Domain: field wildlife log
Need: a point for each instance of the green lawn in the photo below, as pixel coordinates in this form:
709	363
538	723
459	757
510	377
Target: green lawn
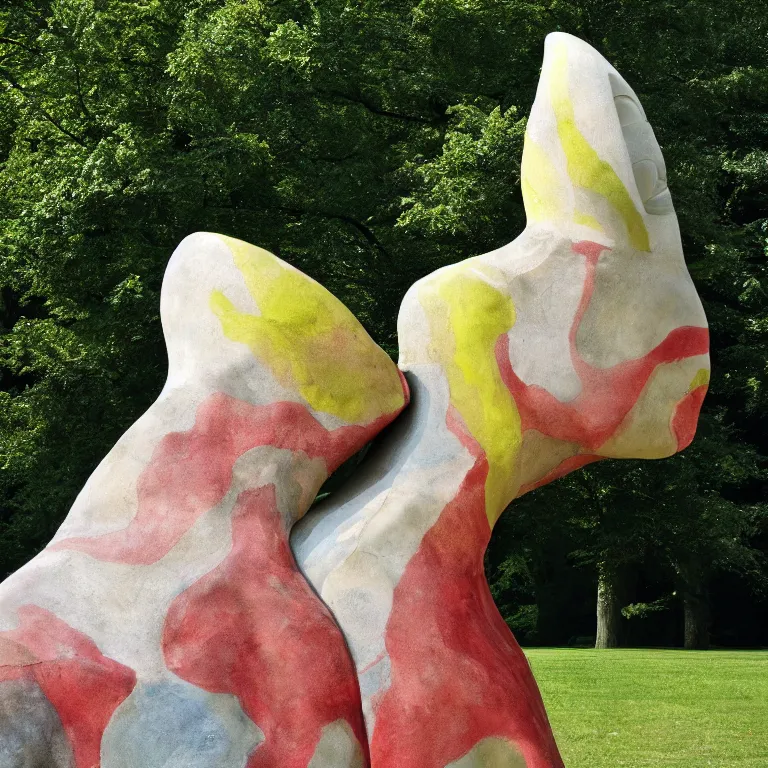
667	709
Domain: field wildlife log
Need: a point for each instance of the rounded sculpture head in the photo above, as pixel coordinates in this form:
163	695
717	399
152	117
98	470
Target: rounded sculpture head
242	320
584	338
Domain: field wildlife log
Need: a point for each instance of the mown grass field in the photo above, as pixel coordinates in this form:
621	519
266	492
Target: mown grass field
660	708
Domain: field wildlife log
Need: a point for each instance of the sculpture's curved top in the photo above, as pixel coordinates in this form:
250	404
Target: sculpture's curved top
586	331
591	158
293	339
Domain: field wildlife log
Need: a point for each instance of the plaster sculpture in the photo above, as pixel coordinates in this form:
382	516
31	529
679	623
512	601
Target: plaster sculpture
166	624
582	339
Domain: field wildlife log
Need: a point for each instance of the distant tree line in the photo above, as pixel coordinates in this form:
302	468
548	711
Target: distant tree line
369	143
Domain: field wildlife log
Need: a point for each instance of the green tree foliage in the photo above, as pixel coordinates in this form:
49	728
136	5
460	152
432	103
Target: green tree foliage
367	143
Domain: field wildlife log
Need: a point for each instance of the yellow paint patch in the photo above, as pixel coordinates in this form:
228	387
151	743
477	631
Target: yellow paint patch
542	189
467	315
585	167
311	342
701	379
587	221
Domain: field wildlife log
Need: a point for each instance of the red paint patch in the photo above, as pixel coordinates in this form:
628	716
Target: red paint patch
686	417
406	389
458	426
84	686
608	394
458	676
254	628
190	472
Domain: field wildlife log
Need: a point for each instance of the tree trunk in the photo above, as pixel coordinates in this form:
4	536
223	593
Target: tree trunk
608	608
695	607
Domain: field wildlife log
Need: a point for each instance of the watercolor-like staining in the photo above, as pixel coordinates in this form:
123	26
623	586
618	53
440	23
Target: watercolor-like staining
169	623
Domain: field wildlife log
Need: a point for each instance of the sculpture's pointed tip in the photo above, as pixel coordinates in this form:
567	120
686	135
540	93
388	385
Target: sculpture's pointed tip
586	111
554	39
583	52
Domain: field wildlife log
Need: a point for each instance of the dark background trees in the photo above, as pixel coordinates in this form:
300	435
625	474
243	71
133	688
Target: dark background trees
369	143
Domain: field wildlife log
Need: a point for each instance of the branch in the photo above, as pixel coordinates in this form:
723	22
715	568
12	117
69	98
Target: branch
9	41
383	112
47	115
373	241
80	93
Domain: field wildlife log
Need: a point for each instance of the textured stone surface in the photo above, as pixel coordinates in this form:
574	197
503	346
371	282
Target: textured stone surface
582	339
166	625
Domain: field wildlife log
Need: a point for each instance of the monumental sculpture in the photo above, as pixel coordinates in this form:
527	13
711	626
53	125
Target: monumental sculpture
168	624
582	339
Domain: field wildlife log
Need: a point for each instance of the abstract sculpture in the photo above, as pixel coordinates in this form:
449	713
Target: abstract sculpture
582	339
167	623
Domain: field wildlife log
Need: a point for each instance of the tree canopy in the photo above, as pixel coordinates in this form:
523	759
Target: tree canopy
369	143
